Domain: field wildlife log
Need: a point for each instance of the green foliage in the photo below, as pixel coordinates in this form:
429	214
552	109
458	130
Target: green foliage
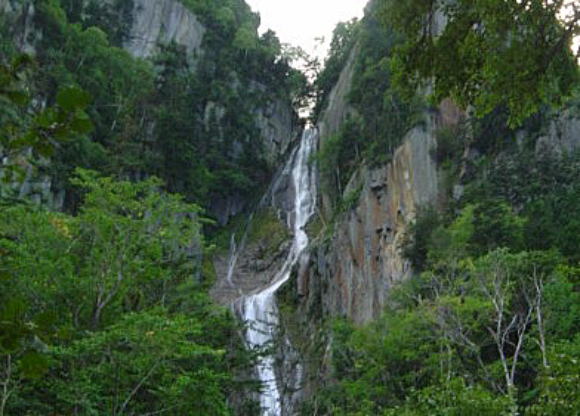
114	17
451	243
563	304
450	145
111	306
543	188
416	243
453	398
496	225
560	392
385	117
339	156
350	199
147	362
211	145
488	53
478	229
40	130
82	55
377	364
435	349
194	126
476	332
380	119
480	326
245	39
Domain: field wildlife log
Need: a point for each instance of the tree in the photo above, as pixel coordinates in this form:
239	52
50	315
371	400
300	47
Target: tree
453	398
27	133
343	40
132	251
128	235
500	303
148	362
560	383
245	39
514	53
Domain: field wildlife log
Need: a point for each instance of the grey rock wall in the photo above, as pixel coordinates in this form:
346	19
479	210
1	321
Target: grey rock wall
335	113
278	129
338	107
158	22
19	16
352	270
276	122
562	135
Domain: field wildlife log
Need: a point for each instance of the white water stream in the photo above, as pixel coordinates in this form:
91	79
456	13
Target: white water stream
259	310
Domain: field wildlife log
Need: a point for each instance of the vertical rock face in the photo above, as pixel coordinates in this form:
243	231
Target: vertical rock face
152	24
276	122
336	111
19	16
277	126
350	274
562	135
352	270
338	107
158	22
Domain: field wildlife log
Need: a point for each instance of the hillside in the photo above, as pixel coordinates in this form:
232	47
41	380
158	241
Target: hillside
175	240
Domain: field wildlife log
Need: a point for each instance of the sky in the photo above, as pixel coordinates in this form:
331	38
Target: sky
300	22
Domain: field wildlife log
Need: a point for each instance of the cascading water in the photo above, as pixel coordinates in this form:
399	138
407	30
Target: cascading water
259	310
233	259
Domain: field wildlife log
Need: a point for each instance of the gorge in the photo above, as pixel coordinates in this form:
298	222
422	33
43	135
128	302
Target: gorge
175	239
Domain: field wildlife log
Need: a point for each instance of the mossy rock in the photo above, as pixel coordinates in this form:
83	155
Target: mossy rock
314	227
222	237
208	270
268	232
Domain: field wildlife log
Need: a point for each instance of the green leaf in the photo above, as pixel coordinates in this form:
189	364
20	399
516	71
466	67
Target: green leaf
13	309
45	320
21	62
4	275
11	336
81	124
44	148
33	365
46	119
72	98
17	97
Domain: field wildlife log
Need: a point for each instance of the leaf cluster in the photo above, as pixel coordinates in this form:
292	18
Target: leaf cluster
485	54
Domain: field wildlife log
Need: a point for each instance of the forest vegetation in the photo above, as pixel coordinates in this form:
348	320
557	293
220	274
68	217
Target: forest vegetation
489	322
104	304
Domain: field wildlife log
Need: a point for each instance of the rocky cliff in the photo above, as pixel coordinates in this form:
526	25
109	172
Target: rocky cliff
352	269
161	22
152	23
351	263
147	29
355	260
562	134
19	20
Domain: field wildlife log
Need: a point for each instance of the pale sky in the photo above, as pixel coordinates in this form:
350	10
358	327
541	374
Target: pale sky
299	22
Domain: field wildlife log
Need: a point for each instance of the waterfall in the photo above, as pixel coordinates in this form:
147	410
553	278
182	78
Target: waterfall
233	259
259	310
